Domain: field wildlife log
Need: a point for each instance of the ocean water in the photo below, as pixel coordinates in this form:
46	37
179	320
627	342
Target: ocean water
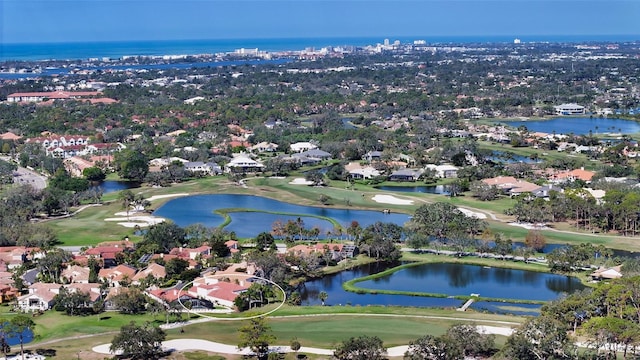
117	49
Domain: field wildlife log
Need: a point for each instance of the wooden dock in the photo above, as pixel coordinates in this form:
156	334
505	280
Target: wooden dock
468	303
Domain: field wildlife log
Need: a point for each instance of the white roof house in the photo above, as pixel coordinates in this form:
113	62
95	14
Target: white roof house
243	163
302	146
569	109
444	171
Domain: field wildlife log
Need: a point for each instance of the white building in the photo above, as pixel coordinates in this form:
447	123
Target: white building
443	171
302	146
569	109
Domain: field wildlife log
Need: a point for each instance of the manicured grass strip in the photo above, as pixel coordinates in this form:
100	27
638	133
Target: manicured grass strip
352	287
225	212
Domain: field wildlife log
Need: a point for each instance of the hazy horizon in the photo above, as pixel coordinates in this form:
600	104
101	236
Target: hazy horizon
71	21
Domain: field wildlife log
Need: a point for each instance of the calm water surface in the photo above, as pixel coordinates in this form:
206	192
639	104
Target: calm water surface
110	186
450	279
579	125
200	209
458	279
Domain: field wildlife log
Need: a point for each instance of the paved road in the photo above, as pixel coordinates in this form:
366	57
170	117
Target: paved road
25	176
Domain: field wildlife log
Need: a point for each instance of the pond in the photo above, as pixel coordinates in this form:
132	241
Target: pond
200	209
579	125
449	279
425	189
14	340
109	186
510	158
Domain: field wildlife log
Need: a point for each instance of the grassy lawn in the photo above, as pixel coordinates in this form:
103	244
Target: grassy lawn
325	331
315	326
88	227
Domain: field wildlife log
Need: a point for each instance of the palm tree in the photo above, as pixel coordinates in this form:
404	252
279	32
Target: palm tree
126	197
323	296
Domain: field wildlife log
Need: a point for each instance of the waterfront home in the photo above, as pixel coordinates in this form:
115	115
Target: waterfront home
406	175
199	167
569	109
242	163
366	172
607	273
335	251
444	171
511	186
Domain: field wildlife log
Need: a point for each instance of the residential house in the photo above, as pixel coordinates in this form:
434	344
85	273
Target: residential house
218	291
444	171
264	147
511	185
9	136
153	270
302	146
106	254
544	191
117	275
39	298
337	251
76	274
576	174
406	175
233	246
243	164
201	252
373	156
569	109
41	295
607	273
209	168
14	256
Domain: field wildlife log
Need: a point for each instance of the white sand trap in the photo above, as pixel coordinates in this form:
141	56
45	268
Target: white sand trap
530	226
390	199
141	221
300	181
156	197
496	330
469	213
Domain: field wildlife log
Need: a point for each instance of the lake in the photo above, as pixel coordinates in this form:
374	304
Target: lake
200	209
579	125
109	186
444	278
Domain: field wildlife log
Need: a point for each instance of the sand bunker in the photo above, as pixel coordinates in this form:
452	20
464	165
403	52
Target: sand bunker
530	226
390	199
137	220
156	197
300	181
469	213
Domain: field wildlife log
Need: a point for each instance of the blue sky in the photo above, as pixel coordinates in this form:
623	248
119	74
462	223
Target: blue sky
35	21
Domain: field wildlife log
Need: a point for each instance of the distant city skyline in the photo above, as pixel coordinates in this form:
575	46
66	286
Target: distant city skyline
46	21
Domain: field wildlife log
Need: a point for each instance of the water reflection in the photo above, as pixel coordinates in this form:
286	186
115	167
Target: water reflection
200	209
441	278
